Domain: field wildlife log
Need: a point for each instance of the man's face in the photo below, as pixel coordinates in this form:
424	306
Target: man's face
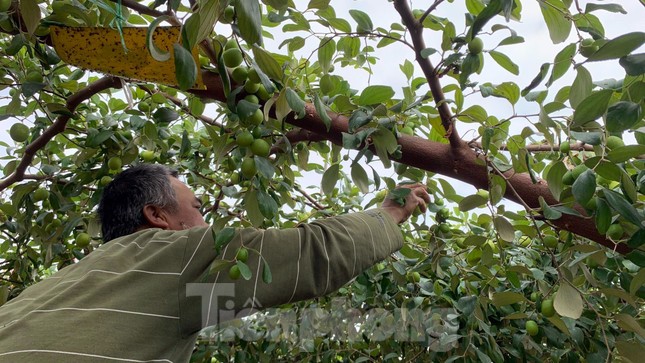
188	213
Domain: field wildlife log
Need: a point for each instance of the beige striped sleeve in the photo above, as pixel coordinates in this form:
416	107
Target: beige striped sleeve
307	261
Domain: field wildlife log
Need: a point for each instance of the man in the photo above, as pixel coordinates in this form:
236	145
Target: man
144	295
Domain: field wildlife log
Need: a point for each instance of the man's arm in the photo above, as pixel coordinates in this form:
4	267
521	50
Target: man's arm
311	260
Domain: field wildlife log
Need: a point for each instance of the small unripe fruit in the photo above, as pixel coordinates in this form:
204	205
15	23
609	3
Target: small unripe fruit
239	74
565	147
413	276
115	163
248	168
19	132
551	241
547	308
261	148
228	16
262	93
615	232
40	195
254	76
147	155
244	138
475	46
256	118
614	142
531	328
82	240
250	86
578	170
567	178
230	44
234	272
105	180
232	57
252	99
242	254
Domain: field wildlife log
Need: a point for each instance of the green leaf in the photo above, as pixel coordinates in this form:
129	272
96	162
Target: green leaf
200	24
265	167
507	298
321	110
614	8
267	63
562	63
544	69
363	20
30	13
554	179
185	67
295	102
637	239
268	205
568	302
624	208
471	202
504	228
340	24
628	323
249	21
622	116
592	107
359	177
375	94
155	52
557	19
505	62
618	47
581	87
493	8
245	271
591	138
584	187
252	208
547	211
219	265
326	51
634	64
603	216
624	153
637	257
329	179
165	115
267	278
223	237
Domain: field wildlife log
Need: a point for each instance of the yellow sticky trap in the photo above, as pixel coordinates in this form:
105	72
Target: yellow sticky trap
100	49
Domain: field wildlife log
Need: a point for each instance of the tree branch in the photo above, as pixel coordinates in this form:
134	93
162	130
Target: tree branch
416	33
57	127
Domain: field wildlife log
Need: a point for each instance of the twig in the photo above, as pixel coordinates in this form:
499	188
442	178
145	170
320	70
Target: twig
430	9
309	198
429	71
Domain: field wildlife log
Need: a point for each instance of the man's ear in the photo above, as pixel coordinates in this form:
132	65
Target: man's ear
155	216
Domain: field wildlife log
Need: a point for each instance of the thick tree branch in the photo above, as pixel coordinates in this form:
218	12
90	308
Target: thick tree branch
462	164
416	33
57	127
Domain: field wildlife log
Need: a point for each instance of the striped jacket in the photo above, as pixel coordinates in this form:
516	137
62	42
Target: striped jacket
145	297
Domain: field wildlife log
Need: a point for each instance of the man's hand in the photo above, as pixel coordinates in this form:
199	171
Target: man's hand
418	197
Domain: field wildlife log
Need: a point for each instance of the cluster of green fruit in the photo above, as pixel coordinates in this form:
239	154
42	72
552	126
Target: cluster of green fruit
256	146
615	231
546	309
241	74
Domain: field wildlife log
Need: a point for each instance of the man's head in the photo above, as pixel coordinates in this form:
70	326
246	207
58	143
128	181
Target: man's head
147	196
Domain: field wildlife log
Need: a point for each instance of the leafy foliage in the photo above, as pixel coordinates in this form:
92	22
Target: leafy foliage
473	271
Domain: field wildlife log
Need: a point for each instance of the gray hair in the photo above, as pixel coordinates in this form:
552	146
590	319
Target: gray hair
123	199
